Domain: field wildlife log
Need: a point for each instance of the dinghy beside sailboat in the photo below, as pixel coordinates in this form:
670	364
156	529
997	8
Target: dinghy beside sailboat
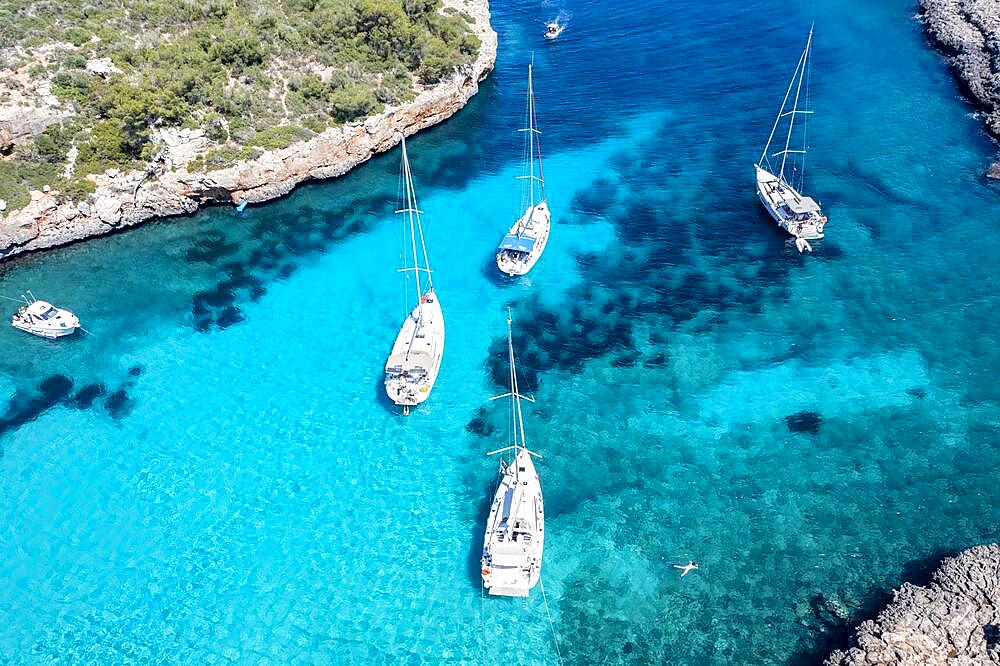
515	528
413	364
780	192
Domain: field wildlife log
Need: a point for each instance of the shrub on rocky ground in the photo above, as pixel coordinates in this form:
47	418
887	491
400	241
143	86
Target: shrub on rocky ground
213	64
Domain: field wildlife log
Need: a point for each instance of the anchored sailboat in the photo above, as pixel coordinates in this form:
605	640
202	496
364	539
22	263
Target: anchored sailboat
515	529
799	215
415	359
524	243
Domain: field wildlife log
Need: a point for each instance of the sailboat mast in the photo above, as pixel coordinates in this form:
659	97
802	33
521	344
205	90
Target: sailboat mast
411	210
536	134
515	395
801	71
412	195
781	114
531	138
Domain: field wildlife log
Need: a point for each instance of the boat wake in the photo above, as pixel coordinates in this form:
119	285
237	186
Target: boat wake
555	26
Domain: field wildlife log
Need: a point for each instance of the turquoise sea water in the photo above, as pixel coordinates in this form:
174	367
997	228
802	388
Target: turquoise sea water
214	476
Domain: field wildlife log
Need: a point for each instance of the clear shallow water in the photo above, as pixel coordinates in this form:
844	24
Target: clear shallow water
214	477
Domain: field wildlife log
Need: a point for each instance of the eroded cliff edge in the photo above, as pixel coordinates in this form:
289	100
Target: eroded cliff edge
955	620
968	31
167	188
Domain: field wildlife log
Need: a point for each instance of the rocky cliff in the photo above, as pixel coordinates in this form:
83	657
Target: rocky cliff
968	31
167	188
955	620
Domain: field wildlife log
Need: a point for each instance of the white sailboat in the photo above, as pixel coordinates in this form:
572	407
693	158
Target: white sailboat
43	319
799	215
515	529
524	243
413	364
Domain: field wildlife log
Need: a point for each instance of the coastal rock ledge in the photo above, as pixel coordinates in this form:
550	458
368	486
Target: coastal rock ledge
968	31
166	188
955	620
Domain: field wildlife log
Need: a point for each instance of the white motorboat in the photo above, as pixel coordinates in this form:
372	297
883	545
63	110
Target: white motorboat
524	243
553	29
515	528
413	364
779	188
43	319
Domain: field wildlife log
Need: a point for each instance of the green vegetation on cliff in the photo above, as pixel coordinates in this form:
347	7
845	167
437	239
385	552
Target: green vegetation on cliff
254	75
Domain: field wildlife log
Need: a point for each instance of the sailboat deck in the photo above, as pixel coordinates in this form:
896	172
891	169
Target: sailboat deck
797	214
512	551
415	359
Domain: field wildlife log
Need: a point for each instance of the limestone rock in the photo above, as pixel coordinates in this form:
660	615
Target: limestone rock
954	621
6	139
102	67
108	209
968	31
23	124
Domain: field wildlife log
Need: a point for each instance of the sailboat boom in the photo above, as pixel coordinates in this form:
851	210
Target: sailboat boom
508	448
507	395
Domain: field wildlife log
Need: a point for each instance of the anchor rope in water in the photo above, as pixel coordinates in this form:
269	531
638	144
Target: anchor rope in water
552	626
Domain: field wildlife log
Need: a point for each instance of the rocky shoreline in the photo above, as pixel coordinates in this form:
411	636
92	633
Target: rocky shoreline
955	620
968	31
166	188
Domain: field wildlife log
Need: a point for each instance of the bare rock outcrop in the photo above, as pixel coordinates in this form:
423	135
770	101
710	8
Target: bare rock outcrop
954	621
165	189
968	31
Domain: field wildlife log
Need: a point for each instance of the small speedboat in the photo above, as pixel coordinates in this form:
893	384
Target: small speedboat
553	29
45	320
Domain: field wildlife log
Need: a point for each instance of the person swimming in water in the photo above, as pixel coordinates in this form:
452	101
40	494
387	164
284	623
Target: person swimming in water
686	568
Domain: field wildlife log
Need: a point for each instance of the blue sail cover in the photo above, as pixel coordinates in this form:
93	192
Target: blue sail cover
517	243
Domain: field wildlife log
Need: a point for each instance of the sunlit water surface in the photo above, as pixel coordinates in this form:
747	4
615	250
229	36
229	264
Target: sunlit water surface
213	476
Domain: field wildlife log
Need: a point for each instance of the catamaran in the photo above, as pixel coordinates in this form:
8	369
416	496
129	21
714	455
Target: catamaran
43	319
415	359
515	529
799	215
524	243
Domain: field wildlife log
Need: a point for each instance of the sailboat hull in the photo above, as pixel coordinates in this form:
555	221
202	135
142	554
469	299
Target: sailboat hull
515	531
534	228
798	215
413	364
